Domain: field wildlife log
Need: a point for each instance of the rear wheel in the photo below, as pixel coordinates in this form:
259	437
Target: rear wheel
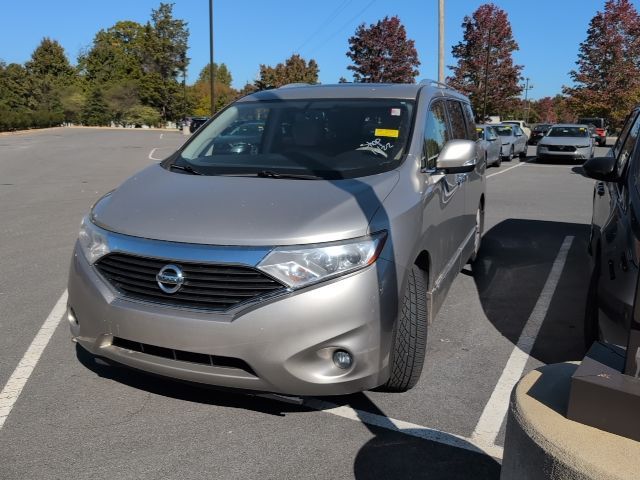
509	157
409	335
523	153
498	162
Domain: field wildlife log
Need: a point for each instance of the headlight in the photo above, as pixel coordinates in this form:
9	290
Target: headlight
93	241
300	266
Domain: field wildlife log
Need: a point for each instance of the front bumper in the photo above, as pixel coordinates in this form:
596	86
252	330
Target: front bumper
287	341
579	154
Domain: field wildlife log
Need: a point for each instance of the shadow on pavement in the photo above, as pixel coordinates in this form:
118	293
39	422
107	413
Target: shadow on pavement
513	266
397	455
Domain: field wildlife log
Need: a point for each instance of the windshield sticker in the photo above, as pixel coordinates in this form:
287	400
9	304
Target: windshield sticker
395	112
583	129
478	130
386	132
377	143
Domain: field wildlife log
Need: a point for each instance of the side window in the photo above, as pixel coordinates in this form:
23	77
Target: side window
468	115
435	133
456	117
626	150
623	133
491	134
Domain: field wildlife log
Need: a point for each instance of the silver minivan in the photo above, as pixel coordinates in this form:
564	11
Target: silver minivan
304	253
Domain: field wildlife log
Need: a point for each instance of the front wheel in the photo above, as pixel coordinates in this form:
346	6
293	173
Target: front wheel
409	335
498	162
591	322
509	157
477	235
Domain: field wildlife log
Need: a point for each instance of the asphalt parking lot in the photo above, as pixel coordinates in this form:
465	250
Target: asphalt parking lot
519	307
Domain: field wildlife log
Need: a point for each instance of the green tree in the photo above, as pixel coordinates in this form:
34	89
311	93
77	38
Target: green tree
294	70
141	115
95	111
164	60
221	74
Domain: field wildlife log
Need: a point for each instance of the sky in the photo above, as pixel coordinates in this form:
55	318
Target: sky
248	33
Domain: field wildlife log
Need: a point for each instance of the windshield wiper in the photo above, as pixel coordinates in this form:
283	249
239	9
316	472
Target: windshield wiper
295	176
186	168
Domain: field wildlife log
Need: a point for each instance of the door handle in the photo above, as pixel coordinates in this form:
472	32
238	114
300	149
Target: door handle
600	189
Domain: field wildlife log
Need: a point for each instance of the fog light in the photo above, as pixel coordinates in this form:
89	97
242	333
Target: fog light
342	359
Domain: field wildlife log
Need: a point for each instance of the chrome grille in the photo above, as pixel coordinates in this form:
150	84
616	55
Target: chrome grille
206	286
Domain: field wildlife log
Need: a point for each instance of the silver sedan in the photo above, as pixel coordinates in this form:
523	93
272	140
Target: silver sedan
514	141
489	145
567	141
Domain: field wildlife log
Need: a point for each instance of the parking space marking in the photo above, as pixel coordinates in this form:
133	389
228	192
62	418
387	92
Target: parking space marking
151	157
496	408
18	379
505	170
406	428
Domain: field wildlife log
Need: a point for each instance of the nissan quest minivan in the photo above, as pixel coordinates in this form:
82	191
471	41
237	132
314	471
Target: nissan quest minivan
299	243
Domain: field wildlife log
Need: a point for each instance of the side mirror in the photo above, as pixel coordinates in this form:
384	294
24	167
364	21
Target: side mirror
601	168
457	156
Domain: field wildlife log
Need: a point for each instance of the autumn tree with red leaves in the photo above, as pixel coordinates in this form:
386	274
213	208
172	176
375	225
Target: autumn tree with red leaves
607	80
485	53
382	53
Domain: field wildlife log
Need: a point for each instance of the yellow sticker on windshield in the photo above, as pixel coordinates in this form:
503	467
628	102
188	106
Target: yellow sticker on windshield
583	129
478	130
385	132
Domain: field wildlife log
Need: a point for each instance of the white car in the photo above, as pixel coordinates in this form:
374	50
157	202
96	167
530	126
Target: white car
523	126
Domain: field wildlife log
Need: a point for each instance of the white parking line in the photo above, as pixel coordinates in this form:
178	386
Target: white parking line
412	429
151	157
18	379
505	170
496	408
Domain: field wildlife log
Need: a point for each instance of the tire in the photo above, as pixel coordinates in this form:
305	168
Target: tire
409	336
591	322
498	162
477	236
523	153
509	157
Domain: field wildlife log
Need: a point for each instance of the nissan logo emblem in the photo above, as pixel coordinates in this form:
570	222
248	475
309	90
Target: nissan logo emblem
170	278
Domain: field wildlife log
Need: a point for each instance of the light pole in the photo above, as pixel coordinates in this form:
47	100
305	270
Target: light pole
526	87
441	41
211	79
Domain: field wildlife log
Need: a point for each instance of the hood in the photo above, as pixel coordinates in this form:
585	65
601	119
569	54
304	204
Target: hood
252	211
575	141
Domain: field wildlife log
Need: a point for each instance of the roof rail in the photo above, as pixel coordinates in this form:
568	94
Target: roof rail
435	83
293	85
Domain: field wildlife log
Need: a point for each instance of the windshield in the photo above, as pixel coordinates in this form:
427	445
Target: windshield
541	128
504	131
598	122
328	139
568	132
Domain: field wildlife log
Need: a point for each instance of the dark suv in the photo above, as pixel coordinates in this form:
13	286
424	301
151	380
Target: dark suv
615	237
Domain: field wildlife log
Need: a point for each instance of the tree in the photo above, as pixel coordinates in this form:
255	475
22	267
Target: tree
382	53
485	66
95	111
49	60
221	73
607	80
116	54
294	70
545	110
164	59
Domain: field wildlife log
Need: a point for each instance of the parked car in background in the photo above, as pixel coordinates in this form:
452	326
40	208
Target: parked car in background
240	137
521	123
600	127
196	123
489	144
538	132
614	239
310	263
513	141
566	141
